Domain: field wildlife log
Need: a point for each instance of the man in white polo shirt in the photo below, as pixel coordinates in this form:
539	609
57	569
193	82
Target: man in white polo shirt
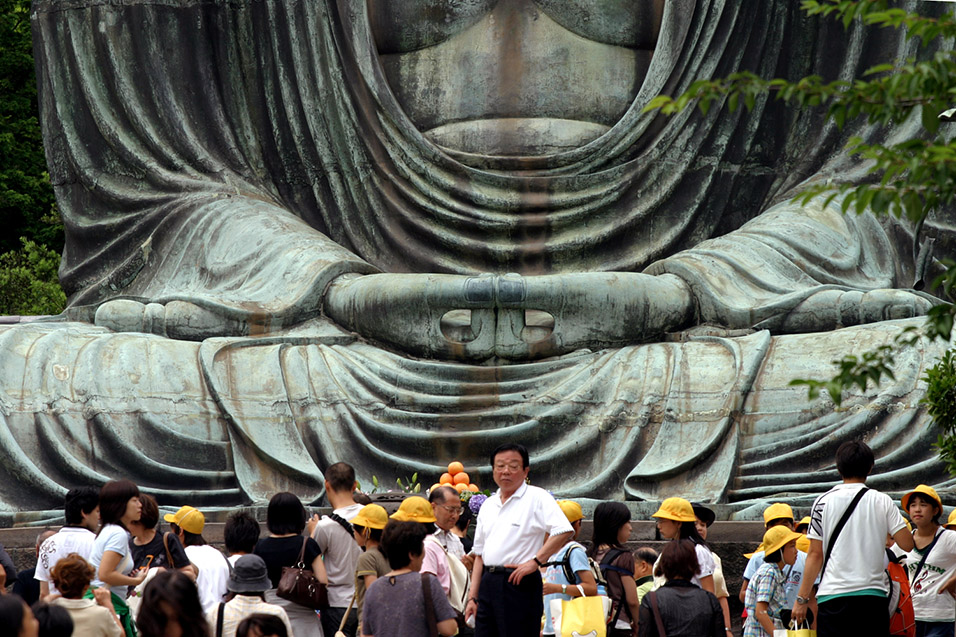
852	596
81	509
506	596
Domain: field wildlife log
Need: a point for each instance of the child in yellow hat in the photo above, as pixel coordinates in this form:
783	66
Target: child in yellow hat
766	596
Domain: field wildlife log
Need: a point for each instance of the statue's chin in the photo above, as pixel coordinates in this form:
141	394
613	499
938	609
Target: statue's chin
515	136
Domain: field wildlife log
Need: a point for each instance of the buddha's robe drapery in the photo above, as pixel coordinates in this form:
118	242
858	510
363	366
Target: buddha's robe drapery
241	154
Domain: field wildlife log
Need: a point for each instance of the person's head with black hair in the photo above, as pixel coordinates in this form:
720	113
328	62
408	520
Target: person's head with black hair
644	559
119	503
403	543
285	514
464	519
53	621
80	507
171	601
854	460
512	446
612	526
261	625
149	515
241	533
678	561
16	618
340	477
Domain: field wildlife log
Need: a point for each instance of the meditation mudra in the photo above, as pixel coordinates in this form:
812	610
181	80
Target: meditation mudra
400	232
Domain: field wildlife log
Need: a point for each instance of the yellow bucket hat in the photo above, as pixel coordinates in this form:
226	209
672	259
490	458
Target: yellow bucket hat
804	522
951	522
371	516
572	510
676	509
189	519
414	509
778	537
923	490
777	511
803	543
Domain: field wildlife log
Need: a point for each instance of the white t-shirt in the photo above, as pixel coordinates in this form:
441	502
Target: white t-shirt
341	553
112	537
857	560
705	560
69	539
940	565
213	574
793	574
511	533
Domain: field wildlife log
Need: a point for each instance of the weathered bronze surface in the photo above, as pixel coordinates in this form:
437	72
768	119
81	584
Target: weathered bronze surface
400	233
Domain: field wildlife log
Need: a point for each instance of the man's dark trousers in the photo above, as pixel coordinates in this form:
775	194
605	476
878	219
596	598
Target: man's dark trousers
855	615
506	610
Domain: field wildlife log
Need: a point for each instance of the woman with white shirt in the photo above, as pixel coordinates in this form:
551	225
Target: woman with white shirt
676	521
931	563
111	558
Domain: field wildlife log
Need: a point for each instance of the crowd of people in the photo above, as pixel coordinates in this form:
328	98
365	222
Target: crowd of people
110	571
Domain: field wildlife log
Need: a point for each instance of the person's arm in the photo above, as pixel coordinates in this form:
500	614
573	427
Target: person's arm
630	595
810	571
904	539
472	606
44	590
318	569
725	614
763	617
108	574
369	578
742	595
707	583
549	548
103	598
587	583
448	627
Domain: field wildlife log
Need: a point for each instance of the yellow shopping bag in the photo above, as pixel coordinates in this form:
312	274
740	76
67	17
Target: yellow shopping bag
796	631
584	617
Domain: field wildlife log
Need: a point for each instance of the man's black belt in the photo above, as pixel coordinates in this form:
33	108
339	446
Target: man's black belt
499	569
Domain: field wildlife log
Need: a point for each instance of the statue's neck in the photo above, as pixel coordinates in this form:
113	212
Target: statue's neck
526	78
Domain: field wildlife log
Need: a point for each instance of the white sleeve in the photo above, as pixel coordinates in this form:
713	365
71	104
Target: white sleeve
706	561
553	517
894	521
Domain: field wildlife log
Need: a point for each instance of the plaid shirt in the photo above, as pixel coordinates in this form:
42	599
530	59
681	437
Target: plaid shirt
766	586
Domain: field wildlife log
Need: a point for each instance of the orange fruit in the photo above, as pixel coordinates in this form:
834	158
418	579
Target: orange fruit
455	467
473	488
436	485
462	478
461	487
446	479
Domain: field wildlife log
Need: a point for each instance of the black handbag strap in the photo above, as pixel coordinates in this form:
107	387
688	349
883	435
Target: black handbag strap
656	612
219	618
839	527
929	548
345	524
430	618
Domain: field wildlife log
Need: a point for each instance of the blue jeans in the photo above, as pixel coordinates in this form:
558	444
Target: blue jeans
934	629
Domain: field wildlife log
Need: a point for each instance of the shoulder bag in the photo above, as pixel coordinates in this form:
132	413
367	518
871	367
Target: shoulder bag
298	584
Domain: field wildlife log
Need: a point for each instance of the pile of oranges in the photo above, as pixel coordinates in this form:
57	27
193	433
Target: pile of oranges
457	479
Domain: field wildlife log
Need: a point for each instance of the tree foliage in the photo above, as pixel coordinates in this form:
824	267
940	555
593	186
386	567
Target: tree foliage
26	197
910	178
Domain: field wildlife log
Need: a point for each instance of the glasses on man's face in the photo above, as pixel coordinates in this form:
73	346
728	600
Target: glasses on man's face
511	466
451	509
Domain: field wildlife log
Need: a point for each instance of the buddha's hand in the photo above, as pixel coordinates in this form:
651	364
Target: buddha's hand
407	312
589	310
832	309
176	319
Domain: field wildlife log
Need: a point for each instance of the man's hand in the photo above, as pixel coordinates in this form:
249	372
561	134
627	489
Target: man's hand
311	524
471	609
468	561
103	597
521	570
798	613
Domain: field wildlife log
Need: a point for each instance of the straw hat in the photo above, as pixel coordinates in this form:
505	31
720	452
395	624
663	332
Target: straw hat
371	516
922	489
777	511
676	509
189	519
414	509
572	510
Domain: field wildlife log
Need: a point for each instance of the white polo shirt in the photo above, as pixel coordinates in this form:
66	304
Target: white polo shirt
511	533
69	539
